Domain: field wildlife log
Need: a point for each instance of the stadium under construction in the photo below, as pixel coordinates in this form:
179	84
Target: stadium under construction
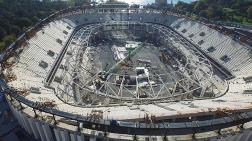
120	73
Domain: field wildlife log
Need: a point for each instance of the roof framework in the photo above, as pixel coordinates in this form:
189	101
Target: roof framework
79	81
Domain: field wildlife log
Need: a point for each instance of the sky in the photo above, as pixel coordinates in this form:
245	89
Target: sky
151	1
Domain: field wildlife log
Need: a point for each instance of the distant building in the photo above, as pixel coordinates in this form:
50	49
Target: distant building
161	2
82	2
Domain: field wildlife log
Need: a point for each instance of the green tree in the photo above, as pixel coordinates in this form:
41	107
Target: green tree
2	32
199	6
229	13
203	13
23	22
17	15
15	30
5	24
9	39
224	10
2	45
249	12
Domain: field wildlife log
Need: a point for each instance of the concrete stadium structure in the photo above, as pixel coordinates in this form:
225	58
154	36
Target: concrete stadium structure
181	80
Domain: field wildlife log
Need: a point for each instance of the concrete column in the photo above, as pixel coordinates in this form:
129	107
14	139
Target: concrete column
40	130
57	134
65	135
92	138
47	132
73	136
80	138
34	128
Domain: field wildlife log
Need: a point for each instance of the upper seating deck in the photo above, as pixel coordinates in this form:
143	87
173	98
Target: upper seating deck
40	52
231	54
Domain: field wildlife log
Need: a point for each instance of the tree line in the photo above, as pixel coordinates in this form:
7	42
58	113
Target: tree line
16	16
239	11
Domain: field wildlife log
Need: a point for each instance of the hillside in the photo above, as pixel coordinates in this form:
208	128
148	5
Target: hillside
239	11
16	16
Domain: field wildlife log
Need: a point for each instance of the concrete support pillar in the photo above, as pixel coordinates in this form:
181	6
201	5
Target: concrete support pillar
92	138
